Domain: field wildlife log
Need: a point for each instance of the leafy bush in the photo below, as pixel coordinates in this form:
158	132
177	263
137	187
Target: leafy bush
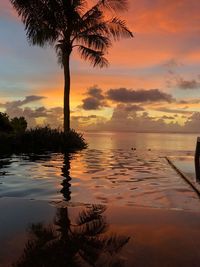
42	139
5	125
19	125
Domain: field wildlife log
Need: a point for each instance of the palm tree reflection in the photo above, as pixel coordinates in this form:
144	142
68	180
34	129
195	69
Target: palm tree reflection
83	243
66	174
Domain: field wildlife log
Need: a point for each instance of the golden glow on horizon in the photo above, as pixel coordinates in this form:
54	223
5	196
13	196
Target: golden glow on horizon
164	31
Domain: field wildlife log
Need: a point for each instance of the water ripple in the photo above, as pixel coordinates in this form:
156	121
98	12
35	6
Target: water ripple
97	176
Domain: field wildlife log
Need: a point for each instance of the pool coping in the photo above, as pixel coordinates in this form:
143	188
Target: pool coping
194	185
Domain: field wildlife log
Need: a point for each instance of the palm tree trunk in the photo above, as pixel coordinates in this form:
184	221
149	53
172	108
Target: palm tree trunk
66	93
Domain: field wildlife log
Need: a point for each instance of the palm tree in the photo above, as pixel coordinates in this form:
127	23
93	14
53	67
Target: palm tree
83	243
69	24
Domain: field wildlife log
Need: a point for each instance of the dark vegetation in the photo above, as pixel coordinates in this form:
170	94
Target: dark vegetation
17	125
83	242
16	138
68	25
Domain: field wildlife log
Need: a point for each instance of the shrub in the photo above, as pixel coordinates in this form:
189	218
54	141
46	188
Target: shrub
5	125
42	139
19	125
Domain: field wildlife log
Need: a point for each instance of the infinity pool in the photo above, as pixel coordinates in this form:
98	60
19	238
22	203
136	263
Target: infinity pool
118	203
125	178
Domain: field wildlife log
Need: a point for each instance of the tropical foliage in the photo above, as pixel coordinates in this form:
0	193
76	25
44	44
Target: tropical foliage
14	125
83	243
41	139
19	125
5	125
70	24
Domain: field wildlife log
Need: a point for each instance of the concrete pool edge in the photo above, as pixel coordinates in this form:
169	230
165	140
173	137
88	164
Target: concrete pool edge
184	176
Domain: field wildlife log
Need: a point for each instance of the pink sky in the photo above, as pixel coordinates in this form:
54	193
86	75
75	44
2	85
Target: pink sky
163	55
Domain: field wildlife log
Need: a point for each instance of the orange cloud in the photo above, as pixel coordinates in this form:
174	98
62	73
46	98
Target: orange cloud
163	30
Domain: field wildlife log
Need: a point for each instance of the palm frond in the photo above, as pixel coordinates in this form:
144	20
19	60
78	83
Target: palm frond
92	17
94	41
93	13
95	57
116	5
88	215
42	35
78	5
59	53
90	253
100	28
114	243
60	244
39	20
118	29
48	21
93	228
42	232
91	222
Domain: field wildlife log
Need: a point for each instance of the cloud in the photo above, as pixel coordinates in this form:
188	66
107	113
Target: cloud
34	116
167	117
84	118
19	103
122	120
171	65
124	95
131	108
125	111
189	101
31	98
90	103
54	117
193	123
125	117
95	99
175	80
188	84
129	121
95	92
85	122
178	111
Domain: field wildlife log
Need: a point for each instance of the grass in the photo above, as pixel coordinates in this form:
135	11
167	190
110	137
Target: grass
41	139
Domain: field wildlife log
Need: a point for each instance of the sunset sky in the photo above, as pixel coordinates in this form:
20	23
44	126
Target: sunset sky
151	84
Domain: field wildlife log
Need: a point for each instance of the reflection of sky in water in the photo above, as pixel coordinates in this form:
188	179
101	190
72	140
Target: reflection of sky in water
157	237
129	182
114	177
185	164
142	141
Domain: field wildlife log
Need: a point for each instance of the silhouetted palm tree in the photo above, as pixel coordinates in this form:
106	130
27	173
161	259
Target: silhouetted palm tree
84	243
68	24
66	185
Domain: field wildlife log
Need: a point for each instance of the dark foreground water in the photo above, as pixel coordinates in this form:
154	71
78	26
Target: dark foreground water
118	203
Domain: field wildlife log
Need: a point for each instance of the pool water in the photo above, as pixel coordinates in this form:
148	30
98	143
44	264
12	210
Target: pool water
125	178
118	203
